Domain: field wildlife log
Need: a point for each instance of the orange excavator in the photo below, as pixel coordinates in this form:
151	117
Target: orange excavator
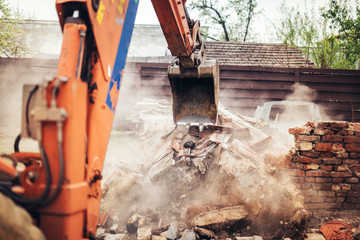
71	115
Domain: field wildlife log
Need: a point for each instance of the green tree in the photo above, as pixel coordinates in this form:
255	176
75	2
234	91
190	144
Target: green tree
228	20
345	20
316	33
10	35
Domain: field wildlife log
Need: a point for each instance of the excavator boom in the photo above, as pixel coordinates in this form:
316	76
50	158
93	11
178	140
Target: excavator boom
194	80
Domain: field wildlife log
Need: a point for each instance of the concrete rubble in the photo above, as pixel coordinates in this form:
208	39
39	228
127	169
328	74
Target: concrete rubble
227	181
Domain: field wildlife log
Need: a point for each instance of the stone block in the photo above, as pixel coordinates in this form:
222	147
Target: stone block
332	138
220	216
336	187
355	168
352	180
297	172
321	132
352	139
310	160
317	186
342	155
352	147
330	199
345	187
351	200
327	154
306	186
326	193
144	233
346	133
339	125
354	155
323	147
340	199
332	205
307	138
316	199
311	206
327	168
297	166
310	154
311	166
350	162
338	180
338	147
303	130
304	146
341	174
325	186
317	173
310	179
341	168
348	206
331	161
341	194
323	179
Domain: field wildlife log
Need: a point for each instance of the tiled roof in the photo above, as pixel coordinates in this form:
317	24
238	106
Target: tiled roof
257	54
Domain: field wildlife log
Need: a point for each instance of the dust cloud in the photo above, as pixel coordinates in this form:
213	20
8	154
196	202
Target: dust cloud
143	175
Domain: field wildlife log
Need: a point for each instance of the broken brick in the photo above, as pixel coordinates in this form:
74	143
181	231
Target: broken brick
327	154
352	147
338	180
326	193
317	173
307	138
337	147
323	147
310	160
331	161
348	206
318	131
332	138
304	146
341	174
220	216
339	125
352	139
323	179
303	130
327	168
352	180
341	168
311	166
350	162
346	187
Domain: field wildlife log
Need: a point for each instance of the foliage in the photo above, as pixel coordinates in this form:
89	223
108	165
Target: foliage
346	21
228	20
313	33
10	43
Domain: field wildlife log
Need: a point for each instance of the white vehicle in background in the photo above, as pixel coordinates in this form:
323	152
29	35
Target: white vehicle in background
279	116
287	113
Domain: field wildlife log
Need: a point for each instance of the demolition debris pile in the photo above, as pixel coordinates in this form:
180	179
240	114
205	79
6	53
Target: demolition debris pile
224	181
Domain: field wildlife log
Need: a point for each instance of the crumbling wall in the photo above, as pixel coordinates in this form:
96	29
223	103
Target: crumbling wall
326	166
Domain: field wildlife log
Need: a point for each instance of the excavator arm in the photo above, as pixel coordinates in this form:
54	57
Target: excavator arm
194	80
71	115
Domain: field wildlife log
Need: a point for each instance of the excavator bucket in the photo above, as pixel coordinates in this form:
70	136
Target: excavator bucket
195	93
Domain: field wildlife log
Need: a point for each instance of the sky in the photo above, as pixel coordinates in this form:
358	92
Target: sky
45	10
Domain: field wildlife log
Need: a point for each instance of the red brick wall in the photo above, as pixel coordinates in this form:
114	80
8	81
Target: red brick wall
326	167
